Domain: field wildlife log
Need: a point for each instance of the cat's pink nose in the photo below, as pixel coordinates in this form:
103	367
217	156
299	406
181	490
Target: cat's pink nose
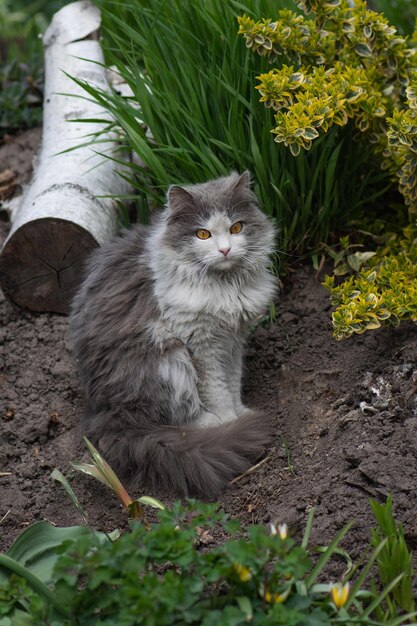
224	251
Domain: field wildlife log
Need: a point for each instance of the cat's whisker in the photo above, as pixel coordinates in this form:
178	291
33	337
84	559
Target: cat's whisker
250	263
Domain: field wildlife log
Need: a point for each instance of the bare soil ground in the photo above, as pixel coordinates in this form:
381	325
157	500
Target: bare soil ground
345	416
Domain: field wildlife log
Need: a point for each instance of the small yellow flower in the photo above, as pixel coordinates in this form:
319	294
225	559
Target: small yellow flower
339	594
276	598
243	572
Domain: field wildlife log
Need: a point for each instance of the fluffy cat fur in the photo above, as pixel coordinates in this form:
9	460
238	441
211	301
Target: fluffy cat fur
158	328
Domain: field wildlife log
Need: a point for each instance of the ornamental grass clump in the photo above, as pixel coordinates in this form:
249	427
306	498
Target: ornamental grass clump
349	68
194	115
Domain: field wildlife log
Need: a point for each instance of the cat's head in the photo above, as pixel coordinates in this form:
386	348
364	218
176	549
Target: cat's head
217	225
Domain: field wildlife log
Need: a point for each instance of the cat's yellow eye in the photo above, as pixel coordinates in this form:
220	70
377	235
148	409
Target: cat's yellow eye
236	228
202	233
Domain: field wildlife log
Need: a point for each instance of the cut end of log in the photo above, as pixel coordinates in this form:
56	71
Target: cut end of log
41	265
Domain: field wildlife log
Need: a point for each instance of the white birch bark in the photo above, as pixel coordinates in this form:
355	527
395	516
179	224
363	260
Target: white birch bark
63	214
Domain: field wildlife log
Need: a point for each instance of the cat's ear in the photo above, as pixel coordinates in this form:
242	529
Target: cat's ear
180	201
242	182
240	188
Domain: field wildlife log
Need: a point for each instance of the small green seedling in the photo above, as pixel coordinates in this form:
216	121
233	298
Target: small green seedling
101	470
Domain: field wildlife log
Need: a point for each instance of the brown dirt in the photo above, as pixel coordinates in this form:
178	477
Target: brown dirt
345	419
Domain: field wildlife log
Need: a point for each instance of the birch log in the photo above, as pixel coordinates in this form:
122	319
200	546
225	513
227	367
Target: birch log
62	216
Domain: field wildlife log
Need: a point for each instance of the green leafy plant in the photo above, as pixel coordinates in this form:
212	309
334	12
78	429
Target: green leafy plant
101	470
401	13
386	294
346	260
21	61
160	575
349	68
26	572
347	63
394	559
194	115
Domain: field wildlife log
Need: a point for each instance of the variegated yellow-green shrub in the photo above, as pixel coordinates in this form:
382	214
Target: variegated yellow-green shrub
385	292
349	65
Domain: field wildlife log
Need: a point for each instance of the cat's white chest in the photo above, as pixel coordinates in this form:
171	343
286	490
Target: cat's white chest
232	301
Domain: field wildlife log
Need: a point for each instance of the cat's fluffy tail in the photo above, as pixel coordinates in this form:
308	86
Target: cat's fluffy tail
186	460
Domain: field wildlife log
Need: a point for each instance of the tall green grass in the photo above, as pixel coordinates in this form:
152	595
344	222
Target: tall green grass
196	114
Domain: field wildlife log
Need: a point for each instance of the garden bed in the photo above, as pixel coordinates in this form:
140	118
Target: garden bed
345	418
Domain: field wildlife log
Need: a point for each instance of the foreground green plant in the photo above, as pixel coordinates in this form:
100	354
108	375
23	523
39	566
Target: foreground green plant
160	576
157	574
101	470
26	572
394	559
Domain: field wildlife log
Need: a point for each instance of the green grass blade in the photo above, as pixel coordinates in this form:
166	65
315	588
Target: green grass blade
327	554
59	477
364	573
307	531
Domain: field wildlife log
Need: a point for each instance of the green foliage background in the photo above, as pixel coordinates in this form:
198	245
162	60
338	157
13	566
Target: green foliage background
195	114
349	67
21	61
401	13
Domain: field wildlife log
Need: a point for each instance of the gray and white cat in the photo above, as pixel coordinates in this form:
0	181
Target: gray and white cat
158	329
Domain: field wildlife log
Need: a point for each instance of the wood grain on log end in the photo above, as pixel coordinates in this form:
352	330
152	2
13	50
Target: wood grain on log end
41	265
